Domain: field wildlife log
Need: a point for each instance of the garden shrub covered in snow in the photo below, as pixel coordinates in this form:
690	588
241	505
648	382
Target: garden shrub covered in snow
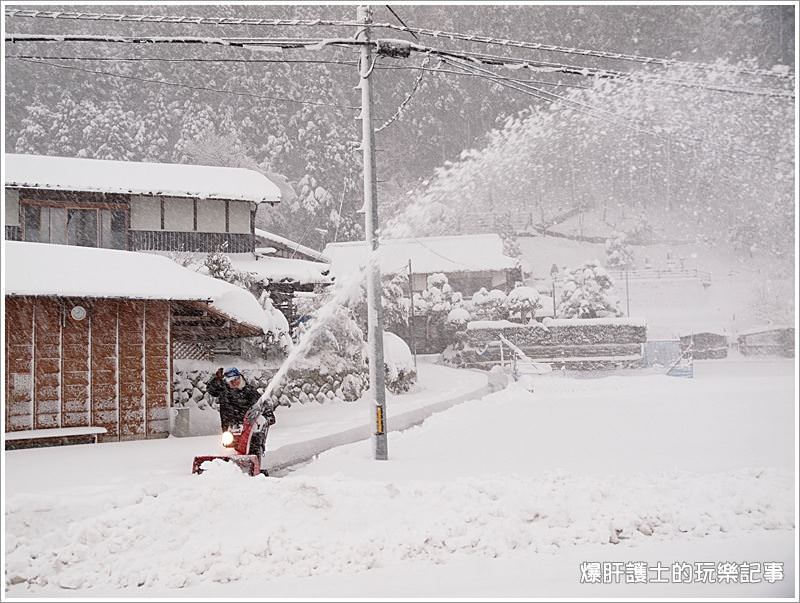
586	293
399	362
489	305
522	303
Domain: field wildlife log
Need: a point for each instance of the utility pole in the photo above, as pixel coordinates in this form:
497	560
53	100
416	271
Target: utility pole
374	309
411	310
627	292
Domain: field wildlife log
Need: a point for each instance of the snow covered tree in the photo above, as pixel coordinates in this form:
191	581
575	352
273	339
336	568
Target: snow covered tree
489	305
338	344
772	300
278	339
641	233
436	301
586	293
619	254
218	265
394	302
522	303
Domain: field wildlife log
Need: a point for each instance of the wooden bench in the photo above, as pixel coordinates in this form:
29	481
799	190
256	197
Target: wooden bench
59	436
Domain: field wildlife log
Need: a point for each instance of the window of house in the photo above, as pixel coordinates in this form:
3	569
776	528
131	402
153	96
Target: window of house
178	214
73	226
82	227
12	207
239	217
32	221
112	229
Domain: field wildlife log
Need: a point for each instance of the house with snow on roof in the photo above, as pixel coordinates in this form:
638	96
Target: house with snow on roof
155	207
90	336
469	261
133	205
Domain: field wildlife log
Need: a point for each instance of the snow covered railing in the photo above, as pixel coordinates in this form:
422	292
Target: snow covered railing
539	368
658	273
89	433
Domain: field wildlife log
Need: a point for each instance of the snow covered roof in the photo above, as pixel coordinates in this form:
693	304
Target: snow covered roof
765	329
459	253
301	250
129	177
279	269
40	269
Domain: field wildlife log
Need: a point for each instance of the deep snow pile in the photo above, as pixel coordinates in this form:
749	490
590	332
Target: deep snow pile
663	460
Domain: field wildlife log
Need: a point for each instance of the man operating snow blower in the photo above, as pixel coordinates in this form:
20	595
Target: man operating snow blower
244	423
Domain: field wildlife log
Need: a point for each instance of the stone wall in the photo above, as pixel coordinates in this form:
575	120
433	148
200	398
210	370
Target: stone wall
570	344
300	387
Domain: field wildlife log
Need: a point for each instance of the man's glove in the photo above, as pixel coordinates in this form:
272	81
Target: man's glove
251	416
218	374
271	419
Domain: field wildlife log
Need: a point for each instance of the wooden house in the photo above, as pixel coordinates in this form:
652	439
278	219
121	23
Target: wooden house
90	333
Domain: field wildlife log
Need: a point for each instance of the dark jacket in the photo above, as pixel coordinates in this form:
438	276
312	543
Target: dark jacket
234	403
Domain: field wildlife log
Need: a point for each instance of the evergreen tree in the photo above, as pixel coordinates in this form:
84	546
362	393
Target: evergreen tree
586	294
619	254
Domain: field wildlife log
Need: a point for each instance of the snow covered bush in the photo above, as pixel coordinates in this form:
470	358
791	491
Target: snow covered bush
489	305
619	255
436	300
218	265
278	340
338	345
586	293
399	363
641	233
394	303
458	317
522	303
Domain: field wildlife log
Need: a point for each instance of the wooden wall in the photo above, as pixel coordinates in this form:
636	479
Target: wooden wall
112	369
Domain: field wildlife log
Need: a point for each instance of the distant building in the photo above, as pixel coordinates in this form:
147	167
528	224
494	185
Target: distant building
469	261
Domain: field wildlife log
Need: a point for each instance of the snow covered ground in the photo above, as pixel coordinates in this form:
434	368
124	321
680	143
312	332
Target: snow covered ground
670	307
500	496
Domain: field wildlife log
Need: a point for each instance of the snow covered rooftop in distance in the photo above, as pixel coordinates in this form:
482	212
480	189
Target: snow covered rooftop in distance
459	253
40	269
301	249
765	329
130	177
278	269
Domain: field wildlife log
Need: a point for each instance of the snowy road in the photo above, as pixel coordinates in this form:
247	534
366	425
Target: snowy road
503	495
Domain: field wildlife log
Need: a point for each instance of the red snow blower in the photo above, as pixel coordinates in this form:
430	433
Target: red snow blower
248	439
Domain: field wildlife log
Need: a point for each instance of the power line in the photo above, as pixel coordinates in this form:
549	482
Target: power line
396	16
318	43
588	109
174	19
188	86
407	99
519	63
188	60
421	67
435	33
548	96
240	42
576	51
